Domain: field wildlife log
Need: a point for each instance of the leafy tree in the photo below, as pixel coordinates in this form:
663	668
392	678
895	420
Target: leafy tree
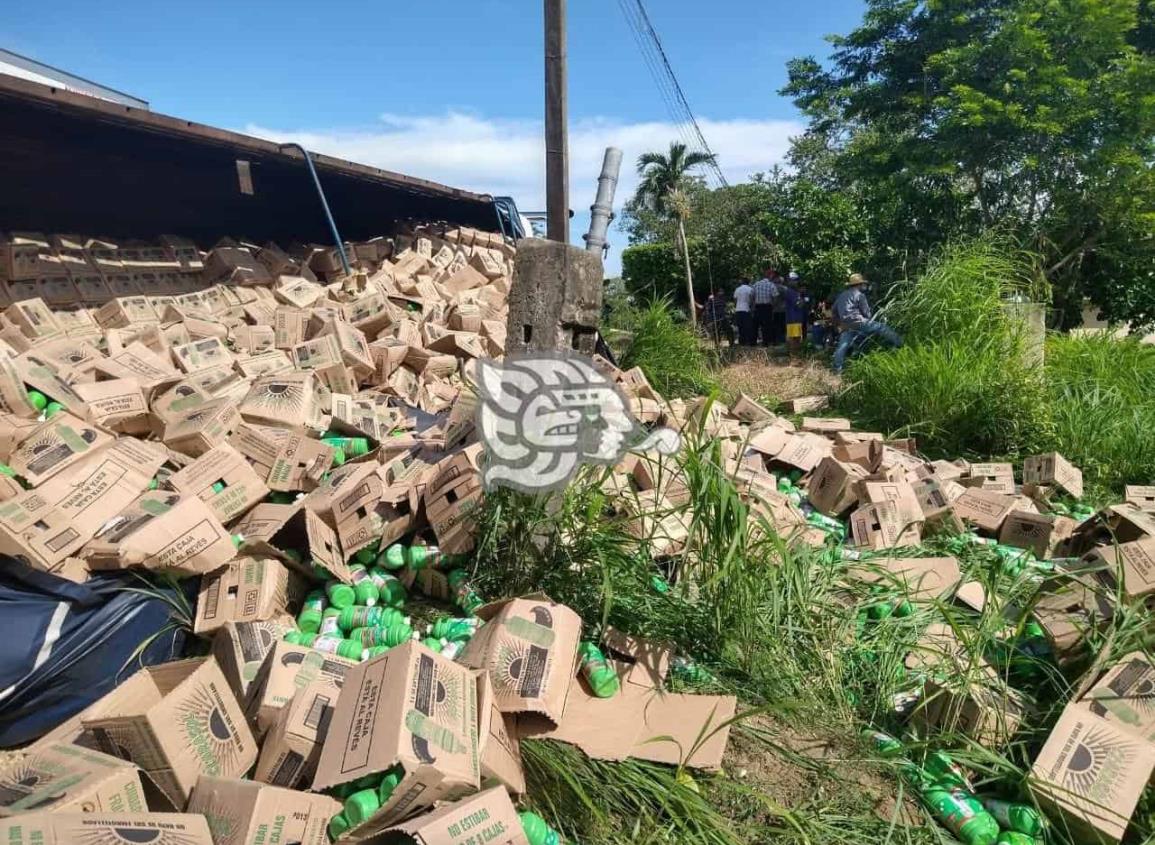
1035	117
663	190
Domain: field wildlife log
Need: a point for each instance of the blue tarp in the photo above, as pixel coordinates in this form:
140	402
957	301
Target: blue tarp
65	645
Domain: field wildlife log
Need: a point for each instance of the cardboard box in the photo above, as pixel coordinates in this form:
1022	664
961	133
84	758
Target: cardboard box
246	813
900	493
985	509
1093	773
285	669
1123	696
450	513
833	487
46	526
55	445
1053	470
240	649
316	354
63	778
408	706
125	311
1131	564
529	648
996	477
286	400
289	325
13	395
163	531
247	589
74	828
497	742
118	405
1037	532
1141	497
176	721
224	480
879	526
292	747
40	374
274	530
33	319
486	817
926	578
203	427
202	354
300	464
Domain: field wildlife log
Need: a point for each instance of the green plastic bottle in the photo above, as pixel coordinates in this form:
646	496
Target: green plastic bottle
389	783
884	743
366	590
347	648
393	558
603	680
360	806
340	595
1012	837
1021	818
309	619
434	644
391	634
52	409
424	557
339	826
962	814
686	669
365	556
467	598
39	400
390	591
353	447
330	619
354	617
454	629
945	772
537	831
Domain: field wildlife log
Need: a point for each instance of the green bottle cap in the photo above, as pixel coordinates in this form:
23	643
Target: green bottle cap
350	650
432	643
365	556
341	595
389	783
52	409
218	487
309	620
39	400
339	826
360	806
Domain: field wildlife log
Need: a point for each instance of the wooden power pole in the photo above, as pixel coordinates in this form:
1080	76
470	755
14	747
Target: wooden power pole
556	123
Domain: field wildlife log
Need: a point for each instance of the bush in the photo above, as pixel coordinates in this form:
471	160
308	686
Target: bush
668	353
1104	407
961	396
960	385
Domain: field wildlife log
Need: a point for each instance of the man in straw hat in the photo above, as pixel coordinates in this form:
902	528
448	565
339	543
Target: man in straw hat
854	316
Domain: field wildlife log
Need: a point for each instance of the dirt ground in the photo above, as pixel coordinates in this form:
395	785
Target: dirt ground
773	378
795	767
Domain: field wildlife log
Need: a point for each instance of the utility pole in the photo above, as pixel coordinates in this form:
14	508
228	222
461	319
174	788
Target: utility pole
556	123
602	211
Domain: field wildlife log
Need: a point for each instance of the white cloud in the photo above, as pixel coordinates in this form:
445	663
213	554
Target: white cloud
507	157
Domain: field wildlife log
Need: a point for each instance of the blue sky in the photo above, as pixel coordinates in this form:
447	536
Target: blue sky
447	90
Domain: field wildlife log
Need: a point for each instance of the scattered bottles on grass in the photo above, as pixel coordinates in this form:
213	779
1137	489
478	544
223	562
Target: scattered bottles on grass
884	743
1020	818
602	678
537	830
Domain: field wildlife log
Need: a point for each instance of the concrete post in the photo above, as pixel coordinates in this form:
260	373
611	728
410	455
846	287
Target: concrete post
555	302
1031	318
602	211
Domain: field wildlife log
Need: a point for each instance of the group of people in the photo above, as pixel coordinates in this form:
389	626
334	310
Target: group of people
777	310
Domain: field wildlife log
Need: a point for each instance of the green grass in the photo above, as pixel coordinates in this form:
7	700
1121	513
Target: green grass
668	353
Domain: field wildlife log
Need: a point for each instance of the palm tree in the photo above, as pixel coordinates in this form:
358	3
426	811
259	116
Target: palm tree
661	189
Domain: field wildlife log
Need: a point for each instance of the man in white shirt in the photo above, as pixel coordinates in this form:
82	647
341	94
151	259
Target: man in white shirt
744	312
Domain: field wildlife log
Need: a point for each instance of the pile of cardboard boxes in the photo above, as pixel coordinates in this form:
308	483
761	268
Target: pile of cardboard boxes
192	391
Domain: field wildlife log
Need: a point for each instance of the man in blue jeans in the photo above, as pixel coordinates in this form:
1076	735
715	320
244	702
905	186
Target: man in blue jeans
854	316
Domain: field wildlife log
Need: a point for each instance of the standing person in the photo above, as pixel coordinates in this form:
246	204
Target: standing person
778	320
796	306
766	293
714	319
743	313
855	318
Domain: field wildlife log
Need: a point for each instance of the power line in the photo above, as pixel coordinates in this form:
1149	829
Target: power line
682	112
